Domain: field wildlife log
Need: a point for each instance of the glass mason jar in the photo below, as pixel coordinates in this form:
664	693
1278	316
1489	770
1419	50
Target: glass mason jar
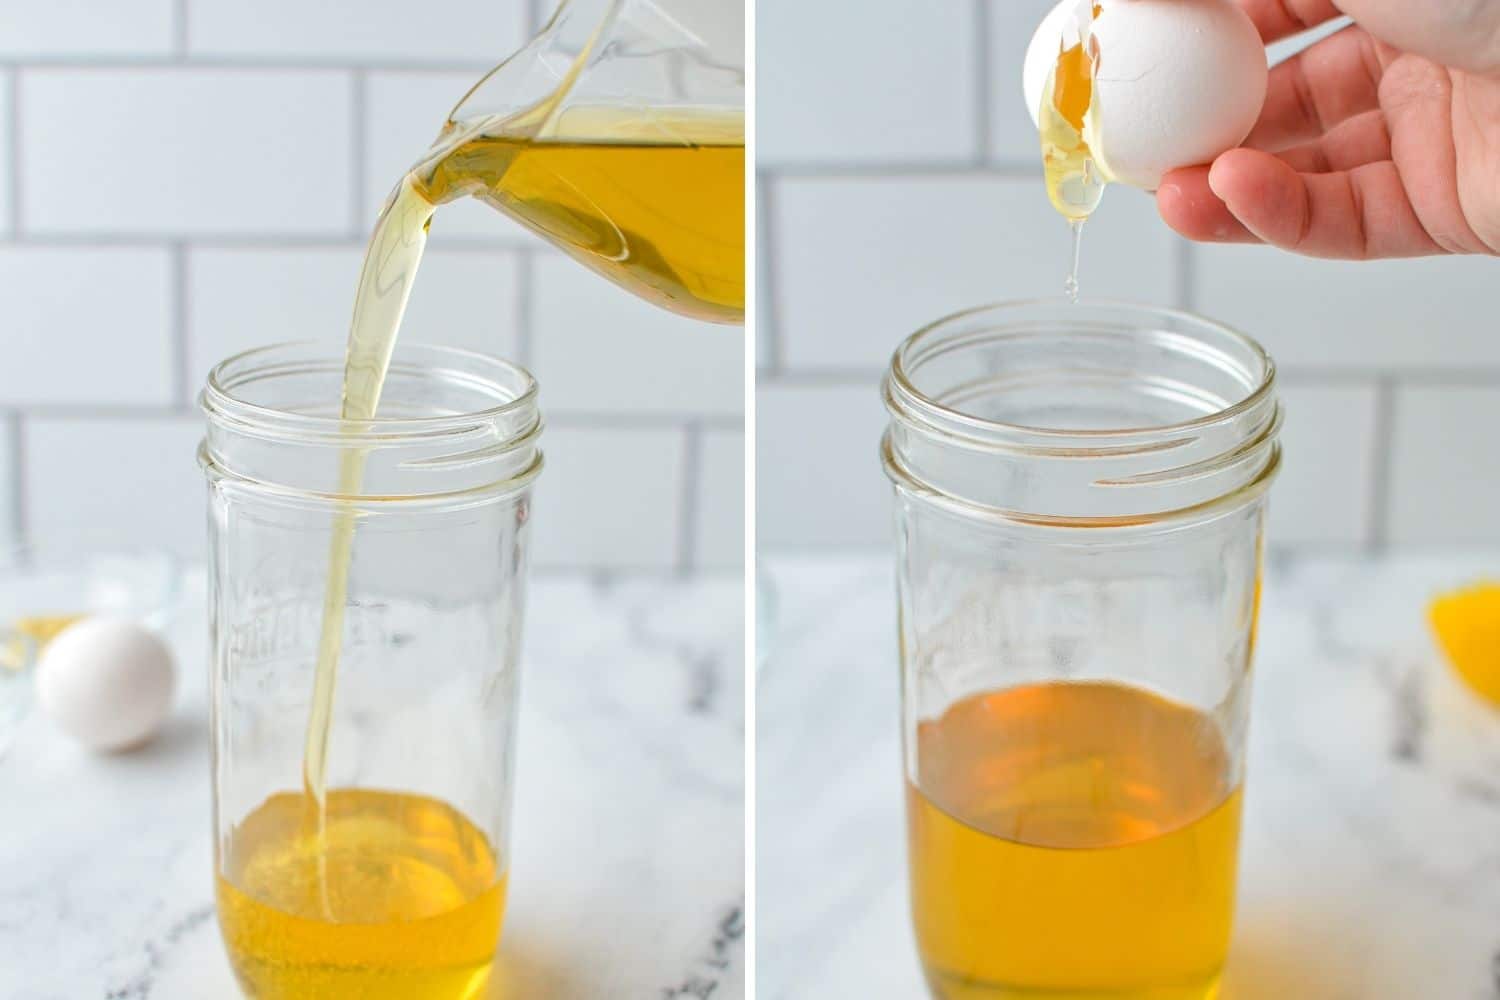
382	873
1081	502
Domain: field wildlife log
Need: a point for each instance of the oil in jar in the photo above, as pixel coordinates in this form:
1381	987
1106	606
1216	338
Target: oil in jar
1072	841
397	897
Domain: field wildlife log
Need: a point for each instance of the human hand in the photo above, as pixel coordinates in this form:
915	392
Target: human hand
1382	140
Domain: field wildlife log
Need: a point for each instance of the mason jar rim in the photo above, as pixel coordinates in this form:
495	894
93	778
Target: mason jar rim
219	400
906	402
1181	468
478	442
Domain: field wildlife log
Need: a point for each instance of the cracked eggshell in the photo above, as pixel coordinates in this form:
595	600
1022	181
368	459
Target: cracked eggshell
1178	82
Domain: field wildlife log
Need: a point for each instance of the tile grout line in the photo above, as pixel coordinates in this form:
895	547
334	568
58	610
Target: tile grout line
687	531
19	515
984	57
525	306
624	420
302	64
244	241
536	16
181	390
561	569
1380	486
1474	376
180	28
768	313
903	169
1186	268
98	411
359	148
831	377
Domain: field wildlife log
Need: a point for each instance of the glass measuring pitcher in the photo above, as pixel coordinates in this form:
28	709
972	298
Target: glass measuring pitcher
618	135
1081	499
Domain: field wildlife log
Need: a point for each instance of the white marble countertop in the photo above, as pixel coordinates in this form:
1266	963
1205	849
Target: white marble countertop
628	847
1371	853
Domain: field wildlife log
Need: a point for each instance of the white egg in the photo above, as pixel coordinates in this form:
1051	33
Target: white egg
107	682
1177	83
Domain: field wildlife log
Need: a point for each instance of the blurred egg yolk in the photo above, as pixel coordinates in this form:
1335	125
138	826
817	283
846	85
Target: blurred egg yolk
34	631
1467	625
1073	83
1073	87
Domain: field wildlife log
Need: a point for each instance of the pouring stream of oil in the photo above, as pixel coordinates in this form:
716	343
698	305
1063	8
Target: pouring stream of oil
654	201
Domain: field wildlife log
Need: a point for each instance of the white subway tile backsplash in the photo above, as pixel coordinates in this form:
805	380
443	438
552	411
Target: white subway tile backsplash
859	260
1013	136
403	114
211	157
106	484
863	261
86	326
185	151
243	298
609	499
819	482
1434	312
599	349
891	81
9	482
65	28
466	298
760	280
7	220
1445	465
1329	452
481	32
720	534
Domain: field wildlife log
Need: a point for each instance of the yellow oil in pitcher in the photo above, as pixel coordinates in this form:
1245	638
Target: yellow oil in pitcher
1072	841
655	204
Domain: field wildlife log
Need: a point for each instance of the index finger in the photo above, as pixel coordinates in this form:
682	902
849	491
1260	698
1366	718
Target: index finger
1278	19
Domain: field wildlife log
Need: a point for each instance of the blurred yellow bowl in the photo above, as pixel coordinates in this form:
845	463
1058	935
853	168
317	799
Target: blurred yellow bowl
1467	625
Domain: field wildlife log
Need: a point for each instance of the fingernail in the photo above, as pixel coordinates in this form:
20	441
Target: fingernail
1213	182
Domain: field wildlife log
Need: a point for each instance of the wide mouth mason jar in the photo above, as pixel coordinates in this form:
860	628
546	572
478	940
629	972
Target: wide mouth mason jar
1080	511
382	872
